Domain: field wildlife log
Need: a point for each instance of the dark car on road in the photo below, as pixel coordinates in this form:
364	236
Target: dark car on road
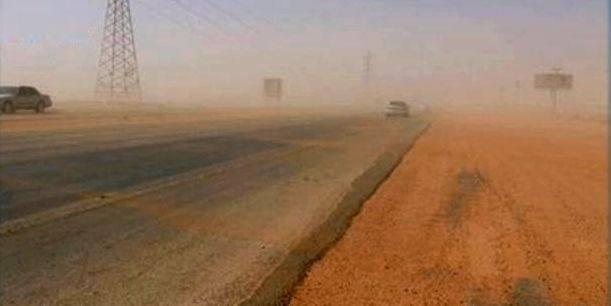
13	98
396	109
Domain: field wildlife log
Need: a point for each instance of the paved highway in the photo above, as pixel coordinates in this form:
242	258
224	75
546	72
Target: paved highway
173	207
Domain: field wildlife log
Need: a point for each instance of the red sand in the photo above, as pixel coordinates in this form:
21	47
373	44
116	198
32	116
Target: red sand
486	209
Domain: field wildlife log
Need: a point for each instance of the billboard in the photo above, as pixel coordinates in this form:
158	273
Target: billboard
553	81
272	88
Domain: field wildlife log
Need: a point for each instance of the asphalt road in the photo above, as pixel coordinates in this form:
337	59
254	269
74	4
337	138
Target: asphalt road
190	207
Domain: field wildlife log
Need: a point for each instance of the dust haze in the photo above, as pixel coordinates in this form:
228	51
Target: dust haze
461	52
303	152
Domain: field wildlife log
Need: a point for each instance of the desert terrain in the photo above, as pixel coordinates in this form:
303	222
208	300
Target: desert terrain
503	207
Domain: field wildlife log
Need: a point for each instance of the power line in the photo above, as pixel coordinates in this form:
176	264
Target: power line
202	17
228	14
250	12
162	13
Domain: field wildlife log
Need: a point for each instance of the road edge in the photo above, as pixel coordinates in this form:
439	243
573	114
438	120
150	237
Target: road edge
278	286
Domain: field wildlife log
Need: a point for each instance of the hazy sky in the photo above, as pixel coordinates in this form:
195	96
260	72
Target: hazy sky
433	49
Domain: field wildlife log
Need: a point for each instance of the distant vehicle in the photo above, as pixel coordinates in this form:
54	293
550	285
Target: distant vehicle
396	109
23	97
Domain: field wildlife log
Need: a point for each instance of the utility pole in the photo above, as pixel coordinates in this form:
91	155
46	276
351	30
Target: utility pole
118	75
367	76
1	36
368	68
518	86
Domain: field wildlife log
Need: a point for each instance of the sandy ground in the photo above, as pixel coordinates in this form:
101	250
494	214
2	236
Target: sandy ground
486	209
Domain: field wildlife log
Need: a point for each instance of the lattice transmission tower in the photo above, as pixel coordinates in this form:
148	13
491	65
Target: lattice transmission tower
368	68
118	76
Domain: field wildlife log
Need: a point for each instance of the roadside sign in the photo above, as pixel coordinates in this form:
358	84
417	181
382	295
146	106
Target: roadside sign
554	81
272	88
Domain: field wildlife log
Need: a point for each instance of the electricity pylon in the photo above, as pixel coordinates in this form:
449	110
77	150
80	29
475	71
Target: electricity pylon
118	76
367	68
368	71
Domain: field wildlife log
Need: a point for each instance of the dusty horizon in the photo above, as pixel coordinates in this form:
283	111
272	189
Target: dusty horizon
304	152
441	51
